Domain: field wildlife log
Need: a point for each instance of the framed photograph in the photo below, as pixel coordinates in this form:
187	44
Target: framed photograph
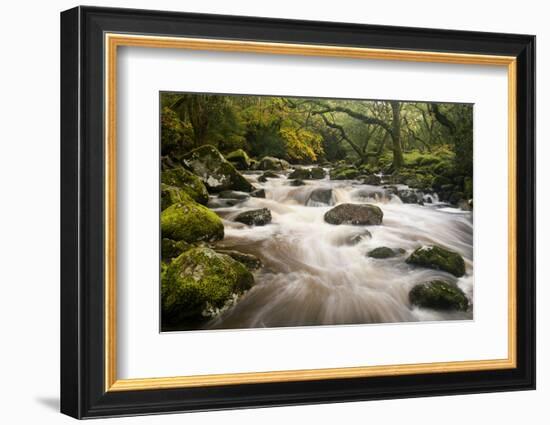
261	212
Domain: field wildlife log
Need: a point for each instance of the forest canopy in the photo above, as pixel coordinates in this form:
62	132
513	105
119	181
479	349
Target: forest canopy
387	136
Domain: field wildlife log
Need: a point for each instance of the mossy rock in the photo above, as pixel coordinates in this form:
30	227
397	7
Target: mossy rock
186	181
297	182
234	194
320	196
258	217
272	163
417	159
356	214
239	158
215	171
410	196
383	252
318	173
268	175
197	280
372	179
251	262
438	295
345	173
300	173
435	257
170	249
253	164
258	193
190	222
359	237
170	195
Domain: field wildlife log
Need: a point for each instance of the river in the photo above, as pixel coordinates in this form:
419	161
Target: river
312	275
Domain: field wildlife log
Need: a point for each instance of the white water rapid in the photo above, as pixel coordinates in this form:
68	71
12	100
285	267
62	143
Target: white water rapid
313	276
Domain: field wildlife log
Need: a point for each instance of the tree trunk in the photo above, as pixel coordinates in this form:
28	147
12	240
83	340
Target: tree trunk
398	161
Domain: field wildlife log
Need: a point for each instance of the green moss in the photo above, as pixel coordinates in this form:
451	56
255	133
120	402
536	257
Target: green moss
300	173
270	175
382	253
190	222
345	173
369	169
199	279
170	195
439	295
215	171
318	173
416	158
435	257
187	182
171	249
272	163
239	158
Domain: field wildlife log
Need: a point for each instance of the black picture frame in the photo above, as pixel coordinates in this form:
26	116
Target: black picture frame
83	392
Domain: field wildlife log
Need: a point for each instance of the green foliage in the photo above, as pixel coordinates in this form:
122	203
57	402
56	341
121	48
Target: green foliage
175	134
344	173
301	145
387	136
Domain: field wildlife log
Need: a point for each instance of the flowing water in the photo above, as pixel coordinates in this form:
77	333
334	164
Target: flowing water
312	275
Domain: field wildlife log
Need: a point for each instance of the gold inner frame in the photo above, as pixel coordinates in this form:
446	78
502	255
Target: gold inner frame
113	41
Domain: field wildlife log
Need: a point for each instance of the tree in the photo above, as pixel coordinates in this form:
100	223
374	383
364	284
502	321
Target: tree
393	129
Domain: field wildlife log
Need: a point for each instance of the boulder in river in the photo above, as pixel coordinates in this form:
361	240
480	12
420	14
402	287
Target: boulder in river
258	193
215	171
216	202
438	295
300	173
383	252
186	181
297	182
171	249
259	217
435	257
357	214
268	175
239	158
170	195
251	262
271	174
411	196
272	163
199	280
355	239
190	222
234	194
320	196
372	179
318	173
